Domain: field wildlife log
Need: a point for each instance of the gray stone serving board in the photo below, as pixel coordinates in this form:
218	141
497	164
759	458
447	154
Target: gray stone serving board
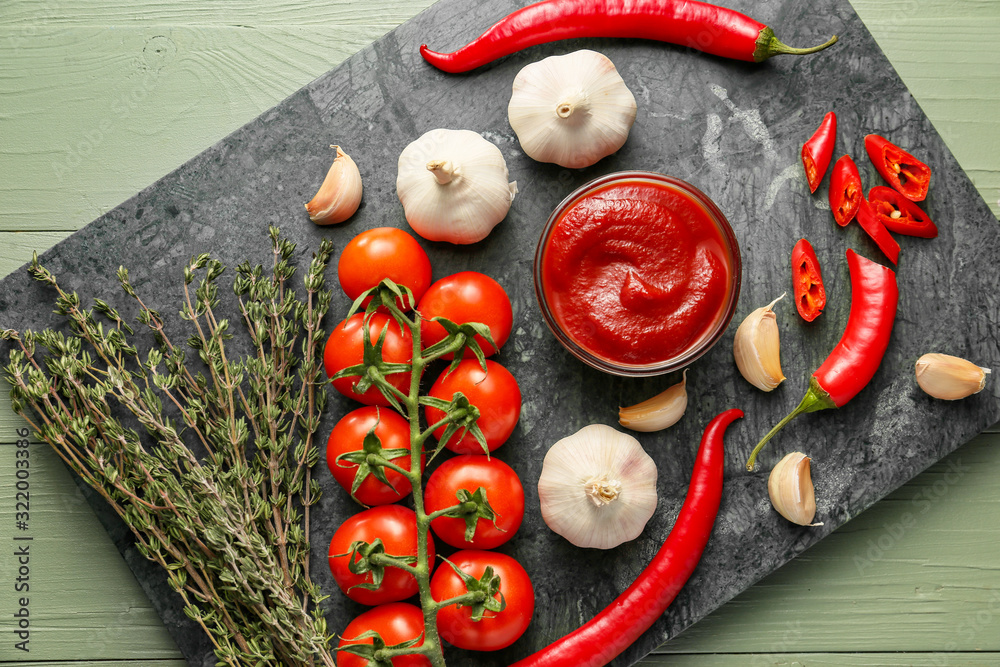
732	129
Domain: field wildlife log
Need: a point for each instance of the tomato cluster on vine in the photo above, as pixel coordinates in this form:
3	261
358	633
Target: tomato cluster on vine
472	501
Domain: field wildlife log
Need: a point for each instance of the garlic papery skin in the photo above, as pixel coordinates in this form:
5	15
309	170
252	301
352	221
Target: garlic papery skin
572	110
949	378
659	412
598	487
757	349
453	186
340	194
791	489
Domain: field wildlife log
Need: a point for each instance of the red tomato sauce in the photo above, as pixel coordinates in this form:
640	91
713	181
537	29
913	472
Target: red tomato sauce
636	272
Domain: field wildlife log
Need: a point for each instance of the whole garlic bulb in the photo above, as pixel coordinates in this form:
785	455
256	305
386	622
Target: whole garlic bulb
572	110
453	186
597	487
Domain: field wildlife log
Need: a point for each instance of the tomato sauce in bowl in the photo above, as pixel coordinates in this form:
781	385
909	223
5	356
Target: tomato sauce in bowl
637	273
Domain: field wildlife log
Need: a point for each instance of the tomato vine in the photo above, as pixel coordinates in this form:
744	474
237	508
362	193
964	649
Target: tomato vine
457	416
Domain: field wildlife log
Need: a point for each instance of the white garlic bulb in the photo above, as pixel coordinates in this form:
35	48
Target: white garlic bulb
597	487
339	196
453	186
572	110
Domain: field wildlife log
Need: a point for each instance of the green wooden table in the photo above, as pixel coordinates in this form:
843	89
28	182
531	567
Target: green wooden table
99	98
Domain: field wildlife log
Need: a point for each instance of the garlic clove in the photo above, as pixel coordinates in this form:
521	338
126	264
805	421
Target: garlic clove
339	196
949	378
659	412
572	109
791	490
597	487
453	186
757	350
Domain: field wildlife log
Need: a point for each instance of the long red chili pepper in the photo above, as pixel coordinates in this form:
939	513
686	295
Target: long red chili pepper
699	25
854	360
818	151
615	628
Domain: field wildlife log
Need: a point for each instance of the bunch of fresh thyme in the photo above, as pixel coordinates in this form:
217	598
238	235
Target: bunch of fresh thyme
218	489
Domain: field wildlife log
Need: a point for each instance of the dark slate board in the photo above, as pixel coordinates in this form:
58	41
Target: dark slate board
732	129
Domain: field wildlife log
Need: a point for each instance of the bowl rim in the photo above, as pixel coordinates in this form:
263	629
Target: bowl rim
693	352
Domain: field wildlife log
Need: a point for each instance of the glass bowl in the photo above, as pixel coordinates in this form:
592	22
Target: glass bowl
624	284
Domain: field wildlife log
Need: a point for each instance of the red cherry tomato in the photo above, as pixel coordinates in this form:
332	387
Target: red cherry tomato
462	298
495	630
494	392
396	526
503	492
396	622
345	348
392	431
384	252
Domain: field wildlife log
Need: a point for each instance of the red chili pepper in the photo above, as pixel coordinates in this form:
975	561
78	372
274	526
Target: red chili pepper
908	175
716	30
810	295
846	193
853	362
899	214
618	625
818	151
877	231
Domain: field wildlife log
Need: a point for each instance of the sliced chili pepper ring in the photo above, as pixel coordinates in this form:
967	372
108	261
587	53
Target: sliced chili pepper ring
900	214
877	231
807	279
818	151
846	193
905	173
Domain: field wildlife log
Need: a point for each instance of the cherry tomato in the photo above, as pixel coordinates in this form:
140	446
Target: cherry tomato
462	298
495	630
345	348
495	393
470	472
392	431
396	526
384	252
396	622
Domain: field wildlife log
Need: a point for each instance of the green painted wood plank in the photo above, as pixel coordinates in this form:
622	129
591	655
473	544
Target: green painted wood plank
82	601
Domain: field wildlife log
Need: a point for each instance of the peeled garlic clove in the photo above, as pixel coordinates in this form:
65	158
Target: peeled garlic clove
597	487
757	350
659	412
572	110
949	378
340	194
791	489
453	186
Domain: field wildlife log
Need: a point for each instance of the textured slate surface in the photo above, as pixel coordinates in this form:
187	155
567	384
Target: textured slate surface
734	131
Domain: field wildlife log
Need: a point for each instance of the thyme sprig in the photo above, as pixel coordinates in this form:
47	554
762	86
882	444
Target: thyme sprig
207	460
